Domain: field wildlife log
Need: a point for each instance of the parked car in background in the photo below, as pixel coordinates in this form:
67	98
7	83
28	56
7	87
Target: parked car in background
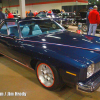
67	16
56	54
81	19
98	29
55	17
16	15
56	11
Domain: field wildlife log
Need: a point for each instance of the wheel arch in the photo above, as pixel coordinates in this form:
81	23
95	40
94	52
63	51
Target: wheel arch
61	72
34	62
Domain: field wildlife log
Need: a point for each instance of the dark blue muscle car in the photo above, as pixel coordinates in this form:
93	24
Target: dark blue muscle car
57	55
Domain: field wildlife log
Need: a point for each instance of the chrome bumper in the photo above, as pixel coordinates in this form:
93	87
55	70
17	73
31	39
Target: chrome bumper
89	86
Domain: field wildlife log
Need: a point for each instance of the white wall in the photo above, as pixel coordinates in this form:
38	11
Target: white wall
39	7
43	7
12	9
51	6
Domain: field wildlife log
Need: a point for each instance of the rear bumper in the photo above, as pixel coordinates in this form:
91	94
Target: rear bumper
89	86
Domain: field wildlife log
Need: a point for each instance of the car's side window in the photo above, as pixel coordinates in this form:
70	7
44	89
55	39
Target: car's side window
28	29
31	30
3	30
36	30
13	29
25	31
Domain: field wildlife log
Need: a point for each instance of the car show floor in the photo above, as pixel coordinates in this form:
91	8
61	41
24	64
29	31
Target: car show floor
20	83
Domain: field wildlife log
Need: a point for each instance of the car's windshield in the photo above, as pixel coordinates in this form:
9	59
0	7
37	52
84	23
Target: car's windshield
47	15
52	15
41	15
39	27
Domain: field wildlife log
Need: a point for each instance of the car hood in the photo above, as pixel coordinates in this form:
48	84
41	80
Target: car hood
69	44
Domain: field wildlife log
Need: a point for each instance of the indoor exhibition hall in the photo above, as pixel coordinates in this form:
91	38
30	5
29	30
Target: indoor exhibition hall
50	49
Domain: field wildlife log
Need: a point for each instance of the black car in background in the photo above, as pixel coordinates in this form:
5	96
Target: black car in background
82	20
55	11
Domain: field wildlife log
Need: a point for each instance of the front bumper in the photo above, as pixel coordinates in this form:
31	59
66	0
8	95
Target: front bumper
89	86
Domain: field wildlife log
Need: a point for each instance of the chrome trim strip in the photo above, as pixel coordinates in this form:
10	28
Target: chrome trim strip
17	61
58	44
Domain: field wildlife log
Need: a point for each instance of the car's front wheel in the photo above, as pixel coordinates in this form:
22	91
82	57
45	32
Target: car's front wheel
48	76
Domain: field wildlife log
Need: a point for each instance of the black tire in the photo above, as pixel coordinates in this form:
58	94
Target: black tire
84	28
57	82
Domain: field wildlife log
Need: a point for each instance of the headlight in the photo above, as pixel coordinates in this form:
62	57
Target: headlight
90	70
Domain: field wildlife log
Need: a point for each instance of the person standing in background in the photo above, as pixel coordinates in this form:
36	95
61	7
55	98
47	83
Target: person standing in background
26	13
35	13
2	15
87	20
62	11
50	11
10	15
30	14
94	20
6	12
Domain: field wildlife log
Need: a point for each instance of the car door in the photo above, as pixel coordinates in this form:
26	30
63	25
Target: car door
10	44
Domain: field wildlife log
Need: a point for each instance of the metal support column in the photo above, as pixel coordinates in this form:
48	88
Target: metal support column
22	8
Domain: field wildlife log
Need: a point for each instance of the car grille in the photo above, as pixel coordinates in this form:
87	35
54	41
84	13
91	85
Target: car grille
96	67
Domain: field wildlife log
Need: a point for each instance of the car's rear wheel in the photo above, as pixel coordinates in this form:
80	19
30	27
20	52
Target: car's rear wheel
48	76
84	28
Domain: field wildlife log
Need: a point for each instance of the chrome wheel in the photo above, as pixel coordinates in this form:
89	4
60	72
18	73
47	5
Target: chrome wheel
45	75
84	28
